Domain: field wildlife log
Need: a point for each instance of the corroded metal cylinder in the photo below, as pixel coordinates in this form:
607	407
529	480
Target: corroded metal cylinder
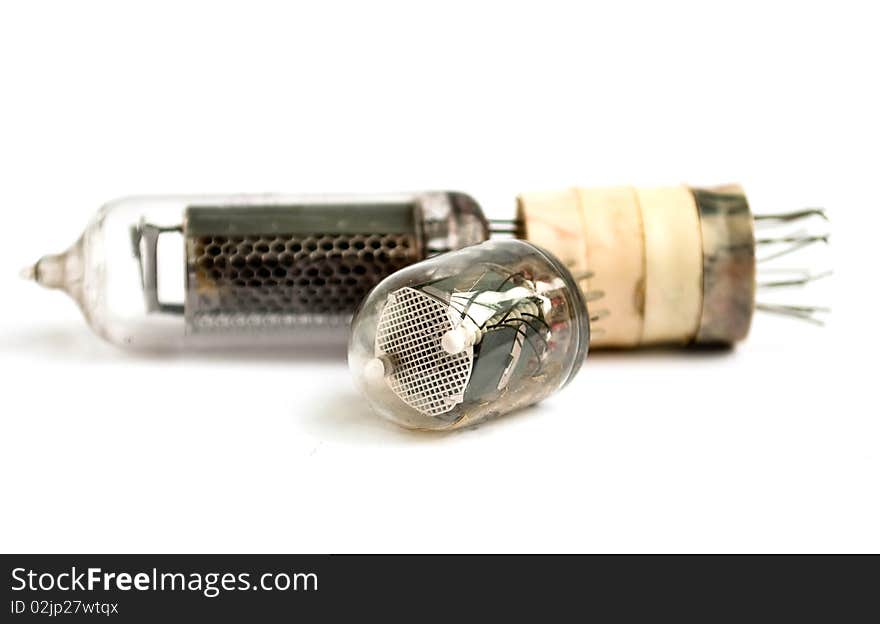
728	238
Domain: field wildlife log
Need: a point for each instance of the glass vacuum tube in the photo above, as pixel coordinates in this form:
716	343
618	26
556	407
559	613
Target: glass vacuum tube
469	335
171	272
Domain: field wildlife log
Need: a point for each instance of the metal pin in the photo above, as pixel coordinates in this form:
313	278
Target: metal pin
505	226
593	295
599	314
804	313
793	238
799	243
804	277
785	270
792	216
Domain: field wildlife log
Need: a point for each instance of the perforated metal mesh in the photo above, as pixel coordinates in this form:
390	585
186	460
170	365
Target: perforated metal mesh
277	280
423	375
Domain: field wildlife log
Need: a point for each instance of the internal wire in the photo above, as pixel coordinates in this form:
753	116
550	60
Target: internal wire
513	307
509	277
524	322
537	318
467	306
463	313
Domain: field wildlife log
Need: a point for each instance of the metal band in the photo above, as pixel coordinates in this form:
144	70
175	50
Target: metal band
728	264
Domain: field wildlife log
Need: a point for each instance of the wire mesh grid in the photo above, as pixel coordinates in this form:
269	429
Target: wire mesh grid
283	280
424	376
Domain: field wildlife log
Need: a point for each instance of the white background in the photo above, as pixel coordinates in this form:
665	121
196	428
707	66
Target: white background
773	447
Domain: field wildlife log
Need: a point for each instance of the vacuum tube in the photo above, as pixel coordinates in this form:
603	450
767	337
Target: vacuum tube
469	335
173	272
677	265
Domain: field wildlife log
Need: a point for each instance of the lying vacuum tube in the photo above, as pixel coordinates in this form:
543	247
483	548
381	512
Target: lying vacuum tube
469	335
677	265
171	272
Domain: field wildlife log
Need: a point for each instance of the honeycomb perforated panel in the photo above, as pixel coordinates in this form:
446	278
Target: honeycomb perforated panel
273	281
423	375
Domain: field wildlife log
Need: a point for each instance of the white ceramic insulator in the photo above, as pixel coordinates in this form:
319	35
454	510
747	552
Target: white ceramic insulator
374	371
456	340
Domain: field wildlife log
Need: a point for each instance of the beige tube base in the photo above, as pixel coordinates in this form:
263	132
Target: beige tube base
555	218
613	232
673	265
676	265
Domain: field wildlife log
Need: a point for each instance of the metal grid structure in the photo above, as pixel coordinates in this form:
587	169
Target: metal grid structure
274	280
423	375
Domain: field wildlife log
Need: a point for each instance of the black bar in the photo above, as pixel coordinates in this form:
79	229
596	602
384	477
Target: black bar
416	587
